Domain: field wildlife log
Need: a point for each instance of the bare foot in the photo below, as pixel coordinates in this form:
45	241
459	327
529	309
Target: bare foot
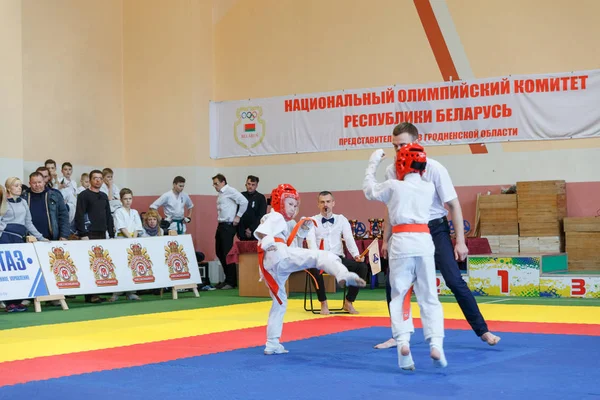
490	338
348	306
324	308
387	344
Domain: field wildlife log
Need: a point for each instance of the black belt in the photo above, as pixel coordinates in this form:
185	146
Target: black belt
225	223
437	222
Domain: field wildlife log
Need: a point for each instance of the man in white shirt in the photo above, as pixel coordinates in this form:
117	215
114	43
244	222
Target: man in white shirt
330	230
231	205
174	203
445	255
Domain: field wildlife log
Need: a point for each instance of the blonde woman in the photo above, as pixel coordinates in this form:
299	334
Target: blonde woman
15	223
151	224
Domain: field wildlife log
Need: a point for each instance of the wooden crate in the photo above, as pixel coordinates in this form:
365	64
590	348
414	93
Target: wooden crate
541	208
542	187
503	244
498	215
541	244
582	240
582	224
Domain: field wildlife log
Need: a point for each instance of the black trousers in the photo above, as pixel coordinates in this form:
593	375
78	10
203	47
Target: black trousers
223	243
353	266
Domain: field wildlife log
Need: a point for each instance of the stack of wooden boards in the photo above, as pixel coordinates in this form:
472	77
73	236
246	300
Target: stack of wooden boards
542	206
527	222
498	222
583	239
535	221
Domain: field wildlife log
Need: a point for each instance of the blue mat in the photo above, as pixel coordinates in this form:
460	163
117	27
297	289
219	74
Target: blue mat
345	366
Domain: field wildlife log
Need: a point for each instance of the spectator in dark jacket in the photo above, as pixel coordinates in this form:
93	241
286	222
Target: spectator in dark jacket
49	214
257	208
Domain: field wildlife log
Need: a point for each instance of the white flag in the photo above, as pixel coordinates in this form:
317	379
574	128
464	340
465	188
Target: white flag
374	259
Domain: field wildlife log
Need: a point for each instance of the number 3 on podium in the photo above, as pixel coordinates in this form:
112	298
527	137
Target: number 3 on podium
503	274
578	287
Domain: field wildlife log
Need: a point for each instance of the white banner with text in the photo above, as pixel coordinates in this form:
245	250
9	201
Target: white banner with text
20	274
512	108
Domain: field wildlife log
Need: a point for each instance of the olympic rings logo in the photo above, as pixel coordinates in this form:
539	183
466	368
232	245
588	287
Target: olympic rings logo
249	115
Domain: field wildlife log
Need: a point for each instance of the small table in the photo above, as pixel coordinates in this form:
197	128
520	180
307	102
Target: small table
245	254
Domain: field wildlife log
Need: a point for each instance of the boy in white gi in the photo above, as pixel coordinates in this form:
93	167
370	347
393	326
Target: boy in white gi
174	203
84	181
411	250
68	189
127	225
280	253
110	188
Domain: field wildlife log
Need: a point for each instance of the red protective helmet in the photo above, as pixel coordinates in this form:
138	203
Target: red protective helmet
279	194
410	158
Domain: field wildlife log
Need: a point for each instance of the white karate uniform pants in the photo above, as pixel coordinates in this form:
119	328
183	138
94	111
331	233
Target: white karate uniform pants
420	271
298	260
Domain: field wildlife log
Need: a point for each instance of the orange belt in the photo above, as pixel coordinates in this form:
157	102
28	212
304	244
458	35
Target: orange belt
270	281
413	228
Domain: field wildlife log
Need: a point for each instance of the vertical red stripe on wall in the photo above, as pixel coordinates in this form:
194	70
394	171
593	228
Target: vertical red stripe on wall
440	51
436	40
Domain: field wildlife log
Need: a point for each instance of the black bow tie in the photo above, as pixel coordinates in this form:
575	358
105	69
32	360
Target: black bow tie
330	220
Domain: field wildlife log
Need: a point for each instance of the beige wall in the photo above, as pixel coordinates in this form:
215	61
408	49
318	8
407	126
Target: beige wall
268	48
313	46
11	81
126	83
528	36
73	81
168	74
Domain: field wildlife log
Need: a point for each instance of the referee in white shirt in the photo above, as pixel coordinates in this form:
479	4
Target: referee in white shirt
331	228
231	205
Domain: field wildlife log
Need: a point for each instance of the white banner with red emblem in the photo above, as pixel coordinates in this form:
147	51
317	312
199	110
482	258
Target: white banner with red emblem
117	265
502	109
20	274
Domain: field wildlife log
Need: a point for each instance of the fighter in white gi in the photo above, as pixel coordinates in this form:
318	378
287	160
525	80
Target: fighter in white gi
280	253
411	250
174	203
